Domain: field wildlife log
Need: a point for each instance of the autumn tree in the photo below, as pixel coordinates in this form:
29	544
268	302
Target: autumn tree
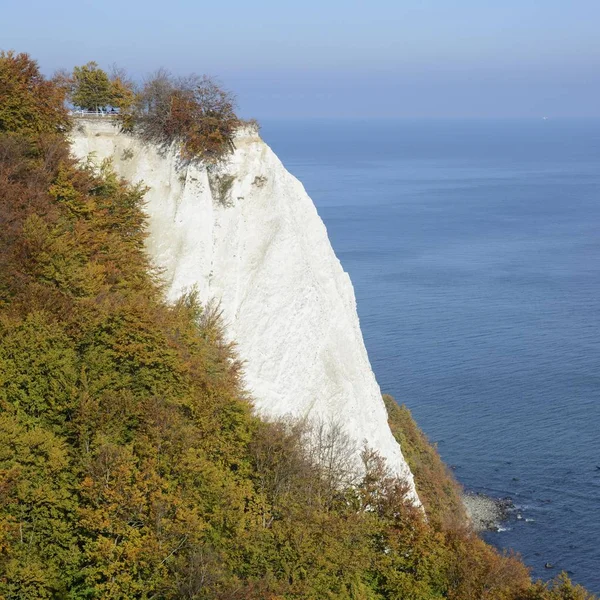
122	89
194	111
28	102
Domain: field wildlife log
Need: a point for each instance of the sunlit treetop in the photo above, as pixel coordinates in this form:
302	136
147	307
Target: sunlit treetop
29	103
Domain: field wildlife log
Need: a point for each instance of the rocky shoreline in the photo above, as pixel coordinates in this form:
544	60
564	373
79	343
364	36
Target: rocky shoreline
486	513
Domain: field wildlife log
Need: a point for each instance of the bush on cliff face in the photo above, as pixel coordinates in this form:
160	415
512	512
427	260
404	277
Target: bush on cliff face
131	465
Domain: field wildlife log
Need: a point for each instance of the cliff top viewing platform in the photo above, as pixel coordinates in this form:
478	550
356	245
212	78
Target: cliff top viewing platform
100	114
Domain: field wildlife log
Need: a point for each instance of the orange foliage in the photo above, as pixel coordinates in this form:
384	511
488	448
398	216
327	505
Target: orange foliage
28	102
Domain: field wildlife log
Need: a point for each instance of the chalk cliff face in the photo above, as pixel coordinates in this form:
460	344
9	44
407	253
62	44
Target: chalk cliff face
251	239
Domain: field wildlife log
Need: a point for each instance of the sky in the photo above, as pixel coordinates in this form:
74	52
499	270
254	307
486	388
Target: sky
335	58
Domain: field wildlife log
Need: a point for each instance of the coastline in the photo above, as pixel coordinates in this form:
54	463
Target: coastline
486	513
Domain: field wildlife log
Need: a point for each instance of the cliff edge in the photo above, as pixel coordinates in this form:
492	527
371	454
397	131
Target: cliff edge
250	238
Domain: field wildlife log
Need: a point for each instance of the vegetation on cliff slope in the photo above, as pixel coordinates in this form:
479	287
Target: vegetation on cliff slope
131	464
437	488
194	112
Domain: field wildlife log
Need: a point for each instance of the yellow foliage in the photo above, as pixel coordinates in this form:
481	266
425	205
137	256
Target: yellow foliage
131	464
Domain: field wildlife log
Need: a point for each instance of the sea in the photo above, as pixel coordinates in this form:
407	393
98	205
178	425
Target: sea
474	250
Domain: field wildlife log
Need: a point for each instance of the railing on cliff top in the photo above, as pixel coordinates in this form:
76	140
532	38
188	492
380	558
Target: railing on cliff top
94	113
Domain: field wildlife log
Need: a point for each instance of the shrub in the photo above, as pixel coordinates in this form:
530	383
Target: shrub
220	187
195	112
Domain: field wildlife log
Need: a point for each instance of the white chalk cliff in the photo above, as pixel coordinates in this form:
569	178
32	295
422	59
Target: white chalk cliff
261	250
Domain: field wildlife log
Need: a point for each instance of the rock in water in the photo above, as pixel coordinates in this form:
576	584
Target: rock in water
249	237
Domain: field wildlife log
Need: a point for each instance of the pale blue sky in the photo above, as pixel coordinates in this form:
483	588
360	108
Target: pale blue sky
441	58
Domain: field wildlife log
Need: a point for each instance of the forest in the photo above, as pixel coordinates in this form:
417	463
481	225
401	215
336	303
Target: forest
132	464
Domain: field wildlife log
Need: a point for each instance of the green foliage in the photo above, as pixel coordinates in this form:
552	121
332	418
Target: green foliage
136	406
38	369
131	465
91	87
39	549
220	186
560	588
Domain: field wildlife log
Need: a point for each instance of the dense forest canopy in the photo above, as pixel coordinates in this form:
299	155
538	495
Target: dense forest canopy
131	463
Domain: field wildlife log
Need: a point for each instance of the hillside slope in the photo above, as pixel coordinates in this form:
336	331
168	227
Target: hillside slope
132	465
250	238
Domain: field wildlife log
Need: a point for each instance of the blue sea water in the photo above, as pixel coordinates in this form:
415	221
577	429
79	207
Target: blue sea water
474	250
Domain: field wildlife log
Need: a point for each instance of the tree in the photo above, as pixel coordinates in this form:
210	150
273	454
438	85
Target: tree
28	102
91	87
193	111
122	89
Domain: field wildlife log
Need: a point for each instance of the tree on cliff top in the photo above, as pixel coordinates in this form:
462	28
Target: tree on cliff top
122	89
193	111
91	88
